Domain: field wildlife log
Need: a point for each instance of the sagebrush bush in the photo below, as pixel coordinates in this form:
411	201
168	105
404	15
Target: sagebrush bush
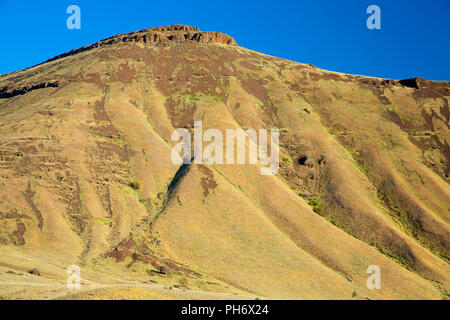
135	185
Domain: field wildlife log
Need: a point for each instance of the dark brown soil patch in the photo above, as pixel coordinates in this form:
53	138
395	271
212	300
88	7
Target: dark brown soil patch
208	183
29	194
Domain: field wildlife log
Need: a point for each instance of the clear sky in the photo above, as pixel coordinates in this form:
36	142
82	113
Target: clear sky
414	39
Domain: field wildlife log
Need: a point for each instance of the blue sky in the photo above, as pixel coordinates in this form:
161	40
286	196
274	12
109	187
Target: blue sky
413	40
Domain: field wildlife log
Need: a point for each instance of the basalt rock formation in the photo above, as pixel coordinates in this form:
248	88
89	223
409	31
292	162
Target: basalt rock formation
86	176
10	91
161	35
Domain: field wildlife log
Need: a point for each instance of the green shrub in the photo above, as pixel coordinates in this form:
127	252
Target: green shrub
135	185
286	159
315	205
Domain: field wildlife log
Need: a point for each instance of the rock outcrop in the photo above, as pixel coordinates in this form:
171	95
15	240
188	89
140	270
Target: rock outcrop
12	90
169	34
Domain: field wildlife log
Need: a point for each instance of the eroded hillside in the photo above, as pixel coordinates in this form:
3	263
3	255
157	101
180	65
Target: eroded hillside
86	176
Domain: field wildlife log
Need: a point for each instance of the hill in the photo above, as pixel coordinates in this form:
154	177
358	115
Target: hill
86	176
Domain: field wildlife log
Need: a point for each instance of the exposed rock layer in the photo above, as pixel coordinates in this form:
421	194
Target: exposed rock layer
168	34
10	91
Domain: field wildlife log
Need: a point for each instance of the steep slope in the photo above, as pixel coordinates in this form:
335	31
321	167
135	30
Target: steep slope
86	176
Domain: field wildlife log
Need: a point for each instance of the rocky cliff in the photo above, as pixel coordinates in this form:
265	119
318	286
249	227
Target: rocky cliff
161	35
